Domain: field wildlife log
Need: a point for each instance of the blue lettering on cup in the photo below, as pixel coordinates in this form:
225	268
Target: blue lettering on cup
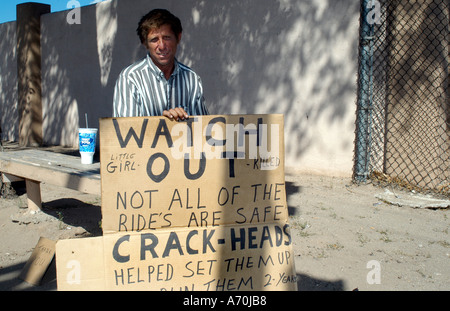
87	142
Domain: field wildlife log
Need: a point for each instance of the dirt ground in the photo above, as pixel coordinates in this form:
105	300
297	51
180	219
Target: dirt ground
344	238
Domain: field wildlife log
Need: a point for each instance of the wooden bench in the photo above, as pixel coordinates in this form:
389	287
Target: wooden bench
36	166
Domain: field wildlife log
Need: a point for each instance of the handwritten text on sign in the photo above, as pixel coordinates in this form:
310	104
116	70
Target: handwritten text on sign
208	171
194	205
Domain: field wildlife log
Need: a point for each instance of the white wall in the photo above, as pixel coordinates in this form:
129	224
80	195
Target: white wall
295	57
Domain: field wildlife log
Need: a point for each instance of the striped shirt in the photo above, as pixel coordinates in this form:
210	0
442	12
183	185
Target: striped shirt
142	90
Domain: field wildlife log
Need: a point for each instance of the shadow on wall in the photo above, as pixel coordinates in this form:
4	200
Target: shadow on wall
418	107
9	115
73	78
80	65
297	58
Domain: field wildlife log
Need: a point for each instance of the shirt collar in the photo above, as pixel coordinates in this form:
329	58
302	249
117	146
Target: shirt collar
157	72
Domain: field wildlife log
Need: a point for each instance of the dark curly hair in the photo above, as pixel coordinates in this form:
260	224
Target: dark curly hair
154	20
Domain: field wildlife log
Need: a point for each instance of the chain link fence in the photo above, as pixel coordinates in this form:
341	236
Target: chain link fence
403	114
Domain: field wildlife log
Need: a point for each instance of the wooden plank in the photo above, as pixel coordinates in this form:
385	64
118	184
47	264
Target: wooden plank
50	160
34	195
52	168
7	178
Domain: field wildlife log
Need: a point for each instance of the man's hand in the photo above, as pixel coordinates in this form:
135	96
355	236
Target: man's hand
176	114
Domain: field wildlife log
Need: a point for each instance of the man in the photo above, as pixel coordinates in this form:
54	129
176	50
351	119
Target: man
159	84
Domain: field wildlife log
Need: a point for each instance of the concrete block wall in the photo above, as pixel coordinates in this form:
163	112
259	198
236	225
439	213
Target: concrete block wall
298	58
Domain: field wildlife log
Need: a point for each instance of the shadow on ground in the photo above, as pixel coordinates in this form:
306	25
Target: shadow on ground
73	212
307	283
10	281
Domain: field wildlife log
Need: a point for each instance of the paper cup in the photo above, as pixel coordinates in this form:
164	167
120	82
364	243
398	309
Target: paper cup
88	139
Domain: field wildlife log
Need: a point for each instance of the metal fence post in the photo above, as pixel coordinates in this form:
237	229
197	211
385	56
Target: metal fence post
364	102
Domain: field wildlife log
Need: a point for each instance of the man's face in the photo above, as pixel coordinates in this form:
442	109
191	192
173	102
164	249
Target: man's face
162	45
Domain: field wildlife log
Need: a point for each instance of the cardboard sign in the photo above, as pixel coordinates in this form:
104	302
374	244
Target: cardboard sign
192	205
226	258
39	261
